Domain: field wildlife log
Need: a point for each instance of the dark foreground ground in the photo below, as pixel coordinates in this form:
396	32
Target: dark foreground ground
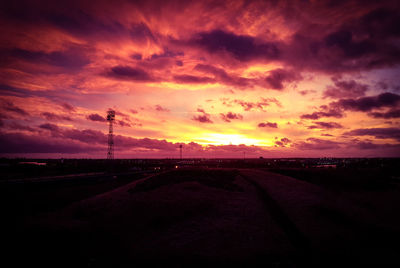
205	217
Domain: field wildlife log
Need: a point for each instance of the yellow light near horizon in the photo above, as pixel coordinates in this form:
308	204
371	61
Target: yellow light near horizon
231	139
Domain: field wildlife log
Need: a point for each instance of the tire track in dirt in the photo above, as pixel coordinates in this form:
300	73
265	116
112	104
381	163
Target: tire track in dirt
306	254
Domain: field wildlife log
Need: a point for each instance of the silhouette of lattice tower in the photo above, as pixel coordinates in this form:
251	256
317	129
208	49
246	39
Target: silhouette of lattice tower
110	119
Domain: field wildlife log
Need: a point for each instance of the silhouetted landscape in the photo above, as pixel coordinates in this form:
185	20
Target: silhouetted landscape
196	212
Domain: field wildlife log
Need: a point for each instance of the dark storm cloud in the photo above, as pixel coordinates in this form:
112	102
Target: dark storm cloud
230	116
240	47
345	89
325	125
378	133
96	117
268	124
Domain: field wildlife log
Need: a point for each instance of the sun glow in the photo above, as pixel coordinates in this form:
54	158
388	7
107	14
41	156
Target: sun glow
231	139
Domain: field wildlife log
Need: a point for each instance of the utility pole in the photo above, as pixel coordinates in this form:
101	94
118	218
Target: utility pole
110	119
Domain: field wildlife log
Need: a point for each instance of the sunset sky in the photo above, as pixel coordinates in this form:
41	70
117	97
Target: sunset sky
269	78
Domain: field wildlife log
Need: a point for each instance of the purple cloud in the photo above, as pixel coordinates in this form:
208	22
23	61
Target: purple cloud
230	116
325	125
191	79
268	124
240	47
277	77
161	109
317	144
366	104
129	73
55	117
393	113
204	118
96	117
345	89
378	133
8	106
283	142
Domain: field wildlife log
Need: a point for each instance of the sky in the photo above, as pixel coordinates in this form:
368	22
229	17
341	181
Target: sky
223	78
